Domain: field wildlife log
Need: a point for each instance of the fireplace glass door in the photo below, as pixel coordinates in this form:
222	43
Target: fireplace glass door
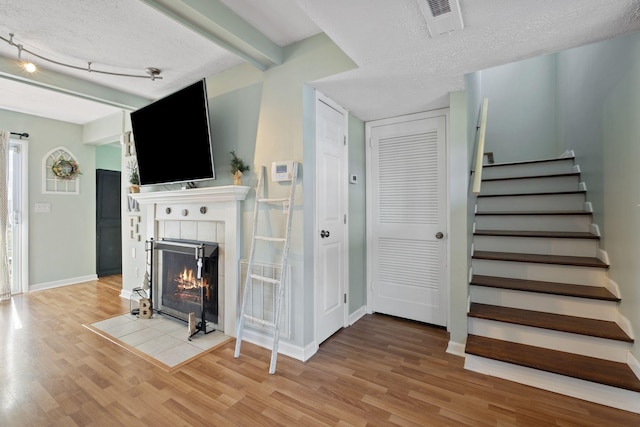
186	279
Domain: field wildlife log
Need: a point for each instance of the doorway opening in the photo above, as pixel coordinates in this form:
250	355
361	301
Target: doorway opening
18	208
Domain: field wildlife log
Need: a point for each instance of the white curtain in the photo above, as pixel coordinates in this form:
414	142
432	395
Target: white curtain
5	278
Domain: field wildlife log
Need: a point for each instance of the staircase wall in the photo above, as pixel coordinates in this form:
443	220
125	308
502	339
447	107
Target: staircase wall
598	89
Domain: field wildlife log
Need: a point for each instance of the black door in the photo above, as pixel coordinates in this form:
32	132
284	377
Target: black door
108	223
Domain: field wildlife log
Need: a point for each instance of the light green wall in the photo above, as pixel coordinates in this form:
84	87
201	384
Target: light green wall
459	253
263	116
61	242
522	109
601	106
357	217
108	157
586	78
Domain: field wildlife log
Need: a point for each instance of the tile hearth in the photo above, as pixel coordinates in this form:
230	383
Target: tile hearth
162	340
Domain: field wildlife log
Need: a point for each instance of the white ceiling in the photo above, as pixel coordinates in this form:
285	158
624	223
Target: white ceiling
400	68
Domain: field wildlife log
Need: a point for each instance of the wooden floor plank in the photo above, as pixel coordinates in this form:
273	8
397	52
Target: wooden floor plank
380	371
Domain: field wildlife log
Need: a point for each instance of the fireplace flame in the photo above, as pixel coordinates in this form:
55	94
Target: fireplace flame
187	281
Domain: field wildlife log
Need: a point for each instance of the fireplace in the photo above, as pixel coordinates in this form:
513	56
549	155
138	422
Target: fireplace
185	280
209	214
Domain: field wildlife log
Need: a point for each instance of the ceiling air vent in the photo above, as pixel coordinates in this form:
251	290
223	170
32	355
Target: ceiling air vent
443	16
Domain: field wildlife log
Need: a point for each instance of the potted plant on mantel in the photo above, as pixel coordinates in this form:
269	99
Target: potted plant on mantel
134	177
237	168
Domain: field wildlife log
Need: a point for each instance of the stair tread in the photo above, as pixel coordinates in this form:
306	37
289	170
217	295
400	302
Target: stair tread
555	175
535	213
530	233
615	374
540	193
541	259
526	162
565	289
552	321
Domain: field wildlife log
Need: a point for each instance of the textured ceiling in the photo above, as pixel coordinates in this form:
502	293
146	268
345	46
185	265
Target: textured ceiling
400	68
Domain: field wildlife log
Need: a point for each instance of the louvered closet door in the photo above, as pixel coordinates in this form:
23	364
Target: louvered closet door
407	213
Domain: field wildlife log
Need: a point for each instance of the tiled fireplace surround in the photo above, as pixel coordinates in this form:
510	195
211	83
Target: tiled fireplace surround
211	214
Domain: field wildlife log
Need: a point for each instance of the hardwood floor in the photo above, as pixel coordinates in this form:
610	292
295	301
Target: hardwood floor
380	371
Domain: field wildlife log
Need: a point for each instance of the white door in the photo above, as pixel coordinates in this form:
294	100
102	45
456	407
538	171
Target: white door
331	208
406	206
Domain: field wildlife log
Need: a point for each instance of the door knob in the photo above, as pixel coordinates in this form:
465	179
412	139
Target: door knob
439	235
324	233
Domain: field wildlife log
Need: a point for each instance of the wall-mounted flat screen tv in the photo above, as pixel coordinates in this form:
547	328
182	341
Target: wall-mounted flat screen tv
172	138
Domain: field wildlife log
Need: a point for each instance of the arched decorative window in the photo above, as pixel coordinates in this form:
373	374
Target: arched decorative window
60	172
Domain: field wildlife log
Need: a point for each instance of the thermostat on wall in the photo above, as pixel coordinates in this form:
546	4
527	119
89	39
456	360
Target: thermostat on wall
282	171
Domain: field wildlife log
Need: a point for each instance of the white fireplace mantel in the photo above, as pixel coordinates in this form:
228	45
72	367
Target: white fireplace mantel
220	204
194	195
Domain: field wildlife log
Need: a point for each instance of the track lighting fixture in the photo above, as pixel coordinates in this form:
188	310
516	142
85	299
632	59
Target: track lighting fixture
151	72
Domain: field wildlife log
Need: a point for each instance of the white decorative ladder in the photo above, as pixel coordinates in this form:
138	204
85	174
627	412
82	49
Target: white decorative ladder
278	284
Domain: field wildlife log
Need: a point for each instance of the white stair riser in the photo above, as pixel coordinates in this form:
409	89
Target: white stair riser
554	340
592	392
558	304
581	223
590	276
531	185
528	169
535	203
537	245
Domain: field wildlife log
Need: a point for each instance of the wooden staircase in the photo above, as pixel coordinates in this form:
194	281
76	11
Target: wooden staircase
542	310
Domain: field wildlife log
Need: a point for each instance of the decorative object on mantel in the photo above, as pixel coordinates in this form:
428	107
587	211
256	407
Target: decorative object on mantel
60	172
237	168
134	177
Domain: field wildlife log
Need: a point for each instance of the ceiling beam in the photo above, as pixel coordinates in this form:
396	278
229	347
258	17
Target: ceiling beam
219	24
61	83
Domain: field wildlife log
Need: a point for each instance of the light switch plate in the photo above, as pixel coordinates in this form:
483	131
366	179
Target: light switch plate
42	207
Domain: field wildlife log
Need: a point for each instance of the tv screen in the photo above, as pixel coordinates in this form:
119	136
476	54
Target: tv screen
172	138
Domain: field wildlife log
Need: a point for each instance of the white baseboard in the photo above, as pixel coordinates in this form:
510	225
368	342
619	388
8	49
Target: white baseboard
357	315
456	348
567	154
580	389
60	283
603	256
634	364
266	341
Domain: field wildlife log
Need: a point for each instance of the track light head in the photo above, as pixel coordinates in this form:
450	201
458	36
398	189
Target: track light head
29	67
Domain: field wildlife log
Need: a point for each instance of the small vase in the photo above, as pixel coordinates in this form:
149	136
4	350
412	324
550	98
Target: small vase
237	178
134	188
